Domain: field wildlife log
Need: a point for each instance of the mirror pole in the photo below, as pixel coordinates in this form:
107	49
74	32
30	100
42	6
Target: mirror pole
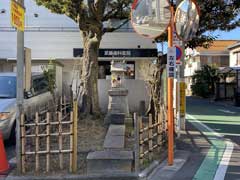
170	114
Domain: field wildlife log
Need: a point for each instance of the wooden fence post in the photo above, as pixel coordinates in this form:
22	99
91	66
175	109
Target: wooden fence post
75	124
150	137
60	140
136	136
65	105
48	143
23	143
159	130
141	143
37	142
71	143
61	105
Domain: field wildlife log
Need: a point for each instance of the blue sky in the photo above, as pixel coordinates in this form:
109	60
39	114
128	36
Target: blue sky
232	35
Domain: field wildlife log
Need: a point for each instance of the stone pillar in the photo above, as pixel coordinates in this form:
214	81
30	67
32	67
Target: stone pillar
118	94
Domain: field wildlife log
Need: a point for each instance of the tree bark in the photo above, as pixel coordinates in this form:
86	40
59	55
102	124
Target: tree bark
156	103
89	102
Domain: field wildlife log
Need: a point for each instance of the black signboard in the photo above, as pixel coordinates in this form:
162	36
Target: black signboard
78	52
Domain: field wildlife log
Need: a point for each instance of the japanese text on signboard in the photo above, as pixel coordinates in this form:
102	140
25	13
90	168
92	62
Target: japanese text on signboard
17	16
171	62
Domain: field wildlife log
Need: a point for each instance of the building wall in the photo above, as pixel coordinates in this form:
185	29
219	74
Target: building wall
137	91
60	45
6	66
233	57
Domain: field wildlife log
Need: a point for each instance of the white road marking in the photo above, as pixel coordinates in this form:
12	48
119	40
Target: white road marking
205	126
226	111
222	168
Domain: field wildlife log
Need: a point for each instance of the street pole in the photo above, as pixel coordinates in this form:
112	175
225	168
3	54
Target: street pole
20	90
170	99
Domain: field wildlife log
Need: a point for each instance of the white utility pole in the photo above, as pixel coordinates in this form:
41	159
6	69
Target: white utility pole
20	89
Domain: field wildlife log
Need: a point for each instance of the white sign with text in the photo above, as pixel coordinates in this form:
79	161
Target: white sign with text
171	62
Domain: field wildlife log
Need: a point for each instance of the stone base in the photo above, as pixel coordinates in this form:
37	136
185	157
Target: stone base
118	101
109	161
115	138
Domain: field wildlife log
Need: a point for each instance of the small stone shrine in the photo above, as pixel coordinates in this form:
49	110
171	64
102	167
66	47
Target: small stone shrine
118	100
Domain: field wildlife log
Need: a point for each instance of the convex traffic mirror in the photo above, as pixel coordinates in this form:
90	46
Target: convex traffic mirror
150	18
187	20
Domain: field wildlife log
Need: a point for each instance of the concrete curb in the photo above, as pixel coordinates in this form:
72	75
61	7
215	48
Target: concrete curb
163	171
122	176
145	173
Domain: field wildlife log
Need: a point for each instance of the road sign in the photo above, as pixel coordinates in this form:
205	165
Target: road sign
17	15
171	62
178	53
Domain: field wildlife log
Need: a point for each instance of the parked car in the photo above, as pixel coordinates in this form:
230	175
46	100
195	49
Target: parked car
38	95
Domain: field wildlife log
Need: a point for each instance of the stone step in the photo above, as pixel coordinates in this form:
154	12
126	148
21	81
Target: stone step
117	118
116	130
109	161
115	138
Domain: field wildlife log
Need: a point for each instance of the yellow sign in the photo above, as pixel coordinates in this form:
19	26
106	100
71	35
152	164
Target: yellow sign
17	15
182	99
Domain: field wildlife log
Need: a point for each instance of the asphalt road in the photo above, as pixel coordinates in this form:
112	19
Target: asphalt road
225	120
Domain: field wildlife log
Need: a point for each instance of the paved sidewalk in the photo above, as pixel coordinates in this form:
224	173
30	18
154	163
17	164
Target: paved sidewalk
190	151
165	172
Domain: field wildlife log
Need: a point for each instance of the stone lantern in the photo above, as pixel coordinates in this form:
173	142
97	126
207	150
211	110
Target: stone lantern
118	100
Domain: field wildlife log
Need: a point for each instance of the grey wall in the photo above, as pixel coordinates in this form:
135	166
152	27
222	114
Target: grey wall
137	91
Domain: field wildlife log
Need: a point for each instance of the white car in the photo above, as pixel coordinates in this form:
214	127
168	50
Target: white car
38	95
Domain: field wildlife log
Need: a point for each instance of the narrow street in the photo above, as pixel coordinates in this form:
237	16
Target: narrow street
212	137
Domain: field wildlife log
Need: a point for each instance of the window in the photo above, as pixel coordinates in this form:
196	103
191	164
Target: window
216	61
224	61
40	85
8	87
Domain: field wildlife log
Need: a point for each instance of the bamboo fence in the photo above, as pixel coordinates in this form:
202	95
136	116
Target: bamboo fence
40	129
149	137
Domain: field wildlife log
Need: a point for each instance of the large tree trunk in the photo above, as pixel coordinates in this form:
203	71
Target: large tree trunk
156	103
89	74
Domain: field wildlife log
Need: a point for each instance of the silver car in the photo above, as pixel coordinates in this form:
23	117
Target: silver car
38	95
